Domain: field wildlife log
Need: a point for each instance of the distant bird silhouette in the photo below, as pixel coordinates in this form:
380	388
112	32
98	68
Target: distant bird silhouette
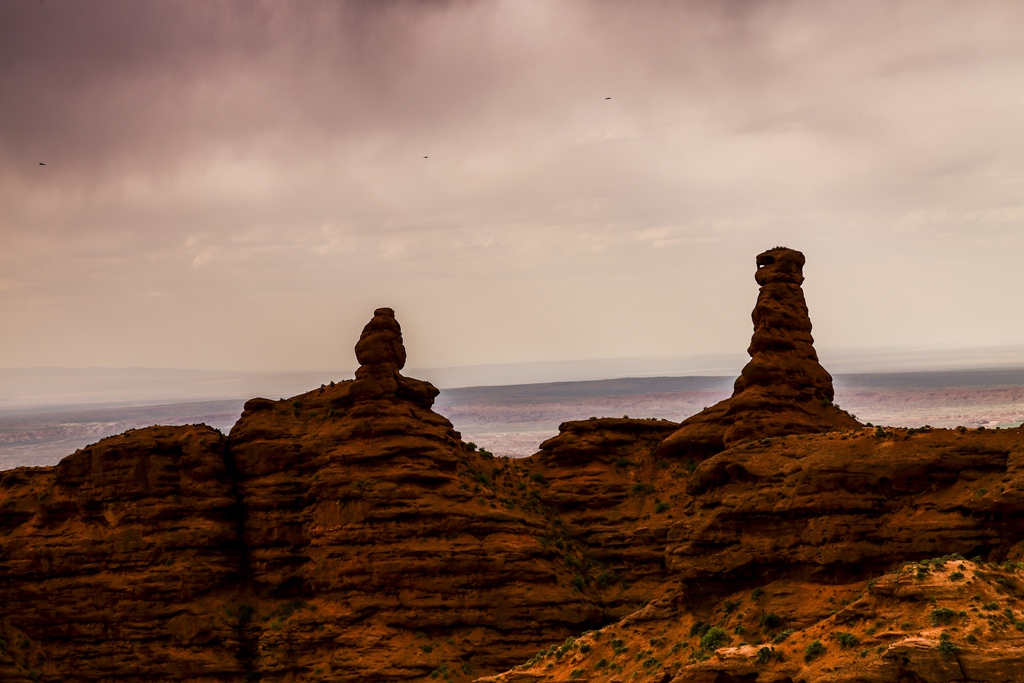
426	157
42	164
607	98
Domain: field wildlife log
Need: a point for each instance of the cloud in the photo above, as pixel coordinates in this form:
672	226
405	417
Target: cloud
269	166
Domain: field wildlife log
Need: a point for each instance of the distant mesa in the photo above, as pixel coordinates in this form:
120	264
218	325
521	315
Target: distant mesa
783	389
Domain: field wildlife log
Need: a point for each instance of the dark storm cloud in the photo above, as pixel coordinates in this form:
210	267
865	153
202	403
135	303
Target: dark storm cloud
243	168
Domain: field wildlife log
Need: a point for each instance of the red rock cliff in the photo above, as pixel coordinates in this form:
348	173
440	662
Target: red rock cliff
348	534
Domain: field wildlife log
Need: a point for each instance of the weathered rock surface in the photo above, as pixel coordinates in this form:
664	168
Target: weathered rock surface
120	561
348	534
941	620
783	389
844	505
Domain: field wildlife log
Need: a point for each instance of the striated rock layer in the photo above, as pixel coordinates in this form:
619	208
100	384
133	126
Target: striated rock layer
783	389
345	534
348	534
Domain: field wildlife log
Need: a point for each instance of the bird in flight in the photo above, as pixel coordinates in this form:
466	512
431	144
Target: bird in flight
42	164
607	98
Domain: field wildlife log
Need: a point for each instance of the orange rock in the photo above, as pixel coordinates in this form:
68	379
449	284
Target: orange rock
783	389
348	534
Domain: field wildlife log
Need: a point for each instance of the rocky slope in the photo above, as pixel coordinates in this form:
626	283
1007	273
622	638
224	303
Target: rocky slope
348	534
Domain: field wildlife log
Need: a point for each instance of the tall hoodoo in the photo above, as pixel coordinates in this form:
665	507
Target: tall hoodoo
783	389
782	356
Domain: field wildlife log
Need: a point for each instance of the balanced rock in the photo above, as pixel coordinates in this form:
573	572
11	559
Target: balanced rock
783	389
381	354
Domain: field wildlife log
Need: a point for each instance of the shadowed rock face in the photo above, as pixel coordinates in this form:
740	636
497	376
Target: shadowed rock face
783	389
347	534
381	354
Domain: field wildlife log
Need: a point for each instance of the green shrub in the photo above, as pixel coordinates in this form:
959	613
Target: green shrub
641	489
537	477
947	648
771	620
576	673
660	507
714	638
601	663
814	650
942	615
606	578
764	655
846	640
729	606
756	594
956	576
781	637
699	629
621	462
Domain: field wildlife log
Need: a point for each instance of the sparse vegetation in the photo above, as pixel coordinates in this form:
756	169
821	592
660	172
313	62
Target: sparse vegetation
713	638
846	640
814	650
946	645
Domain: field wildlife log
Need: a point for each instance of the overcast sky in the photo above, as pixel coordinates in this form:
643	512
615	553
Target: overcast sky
237	185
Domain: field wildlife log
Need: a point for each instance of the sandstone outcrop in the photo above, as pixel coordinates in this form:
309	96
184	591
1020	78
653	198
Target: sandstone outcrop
345	534
846	505
348	534
119	561
783	389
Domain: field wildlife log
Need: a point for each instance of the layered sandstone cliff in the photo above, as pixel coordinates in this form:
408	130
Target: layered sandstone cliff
348	534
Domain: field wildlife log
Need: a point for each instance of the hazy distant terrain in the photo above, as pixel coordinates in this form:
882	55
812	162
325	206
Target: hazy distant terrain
42	436
515	419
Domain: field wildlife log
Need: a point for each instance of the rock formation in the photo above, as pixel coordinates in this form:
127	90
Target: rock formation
783	389
348	534
345	534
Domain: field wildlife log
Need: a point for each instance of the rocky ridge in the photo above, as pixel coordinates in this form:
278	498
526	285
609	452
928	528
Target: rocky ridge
348	534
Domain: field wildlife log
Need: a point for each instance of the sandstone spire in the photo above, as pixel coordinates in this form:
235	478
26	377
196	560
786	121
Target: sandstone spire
783	389
381	354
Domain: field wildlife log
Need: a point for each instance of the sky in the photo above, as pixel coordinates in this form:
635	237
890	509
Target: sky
237	185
